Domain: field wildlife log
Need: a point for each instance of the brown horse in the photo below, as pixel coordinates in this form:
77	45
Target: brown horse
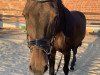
51	27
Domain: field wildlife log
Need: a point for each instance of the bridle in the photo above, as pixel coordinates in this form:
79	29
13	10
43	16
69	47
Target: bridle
43	43
47	48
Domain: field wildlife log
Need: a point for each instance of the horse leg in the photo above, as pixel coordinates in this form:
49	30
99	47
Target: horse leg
52	63
66	62
74	58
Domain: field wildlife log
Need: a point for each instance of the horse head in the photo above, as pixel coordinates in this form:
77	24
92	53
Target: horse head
41	20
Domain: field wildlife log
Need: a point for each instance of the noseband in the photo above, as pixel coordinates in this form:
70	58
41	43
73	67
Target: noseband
44	44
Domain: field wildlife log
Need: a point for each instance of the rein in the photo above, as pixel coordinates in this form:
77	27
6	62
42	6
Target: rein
59	64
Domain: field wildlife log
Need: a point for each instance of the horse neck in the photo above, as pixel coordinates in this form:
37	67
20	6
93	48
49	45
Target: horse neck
62	9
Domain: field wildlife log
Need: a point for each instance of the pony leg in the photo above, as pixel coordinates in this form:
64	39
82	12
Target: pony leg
74	58
52	63
66	64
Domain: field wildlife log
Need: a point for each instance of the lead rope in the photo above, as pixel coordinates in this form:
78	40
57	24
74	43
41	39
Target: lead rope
59	64
62	54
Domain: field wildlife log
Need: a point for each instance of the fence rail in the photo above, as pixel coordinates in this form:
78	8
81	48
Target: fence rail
93	19
7	21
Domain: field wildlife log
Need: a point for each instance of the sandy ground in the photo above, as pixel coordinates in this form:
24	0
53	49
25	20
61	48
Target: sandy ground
14	55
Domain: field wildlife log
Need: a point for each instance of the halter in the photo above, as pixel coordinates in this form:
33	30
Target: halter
45	44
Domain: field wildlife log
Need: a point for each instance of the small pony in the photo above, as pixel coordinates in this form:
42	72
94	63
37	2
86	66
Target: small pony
52	27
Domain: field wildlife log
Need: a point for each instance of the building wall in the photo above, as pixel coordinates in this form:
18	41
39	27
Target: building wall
15	7
11	13
91	8
83	5
12	7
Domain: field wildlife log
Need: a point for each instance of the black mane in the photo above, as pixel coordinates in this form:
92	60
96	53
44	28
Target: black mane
66	19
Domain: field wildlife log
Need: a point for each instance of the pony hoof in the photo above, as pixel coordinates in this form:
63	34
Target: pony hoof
71	69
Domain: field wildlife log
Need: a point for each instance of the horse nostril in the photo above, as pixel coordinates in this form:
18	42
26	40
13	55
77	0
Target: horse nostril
45	68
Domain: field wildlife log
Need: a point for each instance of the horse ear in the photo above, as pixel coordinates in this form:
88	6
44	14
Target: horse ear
27	6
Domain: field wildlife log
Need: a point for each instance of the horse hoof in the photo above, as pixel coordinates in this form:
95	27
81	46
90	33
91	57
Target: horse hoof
71	69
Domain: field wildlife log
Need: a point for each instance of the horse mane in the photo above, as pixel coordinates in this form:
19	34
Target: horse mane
60	4
66	20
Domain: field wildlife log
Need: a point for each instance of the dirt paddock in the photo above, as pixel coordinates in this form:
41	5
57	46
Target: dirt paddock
14	54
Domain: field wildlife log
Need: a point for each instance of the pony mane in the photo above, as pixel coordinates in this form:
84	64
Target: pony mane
59	3
66	19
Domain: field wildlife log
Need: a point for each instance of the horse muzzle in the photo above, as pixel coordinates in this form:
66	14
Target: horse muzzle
38	71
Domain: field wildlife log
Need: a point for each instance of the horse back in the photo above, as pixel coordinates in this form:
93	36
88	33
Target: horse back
79	22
